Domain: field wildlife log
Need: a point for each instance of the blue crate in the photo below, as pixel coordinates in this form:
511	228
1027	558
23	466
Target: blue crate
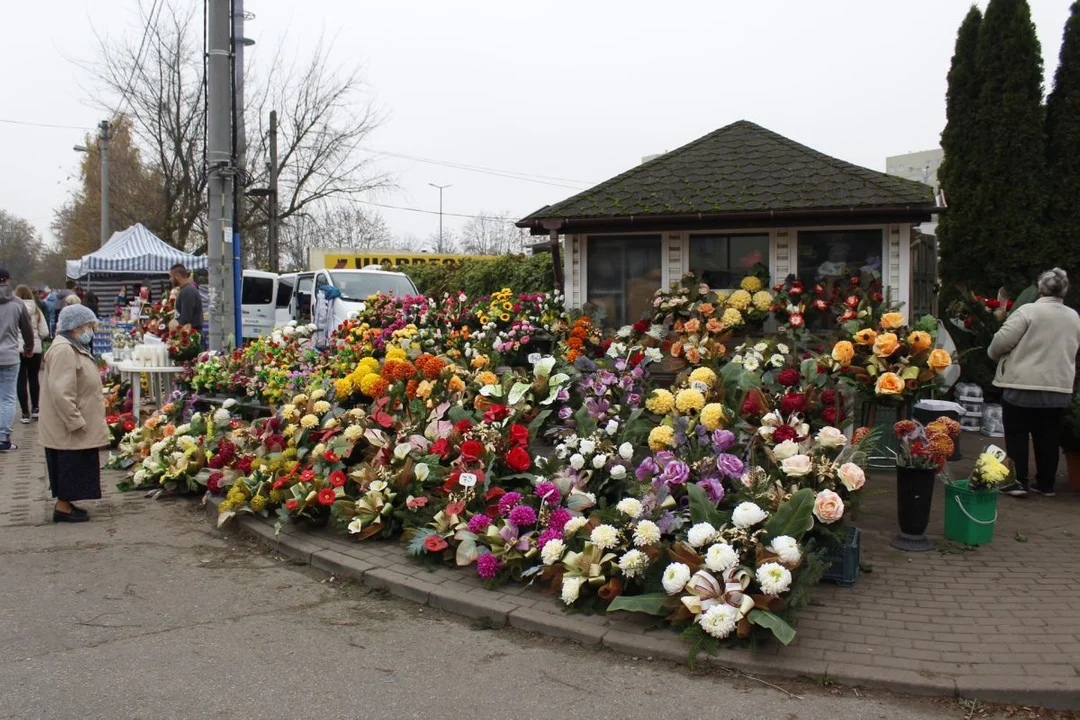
844	561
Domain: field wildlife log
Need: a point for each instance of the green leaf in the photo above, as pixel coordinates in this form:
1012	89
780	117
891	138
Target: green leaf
852	326
910	373
779	627
586	426
538	421
927	323
467	549
458	413
702	509
795	517
1029	295
809	369
651	603
517	392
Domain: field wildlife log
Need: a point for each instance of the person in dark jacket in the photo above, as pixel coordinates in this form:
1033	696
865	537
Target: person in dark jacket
16	334
189	307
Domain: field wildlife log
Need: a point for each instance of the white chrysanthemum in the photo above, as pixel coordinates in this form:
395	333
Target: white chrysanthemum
572	441
786	449
599	461
633	563
577	461
700	534
353	433
587	447
782	348
626	451
630	507
618	472
676	576
773	578
777	361
571	589
318	394
356	526
604	537
646	533
573	525
787	549
321	407
309	421
747	514
222	417
750	363
719	620
761	347
552	552
721	557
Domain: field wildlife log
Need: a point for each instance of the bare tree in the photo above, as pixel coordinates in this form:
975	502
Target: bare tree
447	242
343	226
487	234
21	248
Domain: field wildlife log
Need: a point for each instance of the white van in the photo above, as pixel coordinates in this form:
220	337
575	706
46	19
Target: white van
265	302
355	287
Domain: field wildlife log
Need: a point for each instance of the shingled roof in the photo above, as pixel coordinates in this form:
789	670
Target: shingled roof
740	170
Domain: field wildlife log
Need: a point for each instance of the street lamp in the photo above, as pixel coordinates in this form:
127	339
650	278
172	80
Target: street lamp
440	188
103	146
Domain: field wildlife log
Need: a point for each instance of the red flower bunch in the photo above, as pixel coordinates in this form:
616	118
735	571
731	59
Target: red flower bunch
518	459
792	403
784	433
789	377
213	483
337	479
496	413
396	370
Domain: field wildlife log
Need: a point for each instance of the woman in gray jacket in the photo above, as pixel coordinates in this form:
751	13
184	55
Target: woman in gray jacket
1036	354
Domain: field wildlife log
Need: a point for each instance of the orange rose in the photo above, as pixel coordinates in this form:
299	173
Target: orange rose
456	384
843	352
920	341
714	326
865	337
889	384
692	326
481	403
939	359
676	349
893	320
693	356
886	344
706	309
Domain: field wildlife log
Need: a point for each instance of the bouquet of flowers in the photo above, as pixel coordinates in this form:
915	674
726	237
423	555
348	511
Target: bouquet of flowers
184	344
923	448
991	470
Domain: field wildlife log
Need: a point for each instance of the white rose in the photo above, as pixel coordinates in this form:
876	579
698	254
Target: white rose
626	451
552	552
797	466
599	461
721	557
852	476
700	534
577	461
612	427
787	549
773	578
571	589
786	449
630	507
618	472
830	437
676	576
573	525
747	514
587	447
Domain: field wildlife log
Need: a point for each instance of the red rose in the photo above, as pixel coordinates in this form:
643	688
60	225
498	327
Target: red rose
606	344
789	377
783	433
819	290
847	315
519	434
434	543
852	301
112	419
327	496
831	416
518	460
337	479
877	297
291	504
641	325
854	282
751	406
796	288
495	413
216	462
472	450
636	359
993	304
128	426
792	403
441	448
463	426
828	397
307	476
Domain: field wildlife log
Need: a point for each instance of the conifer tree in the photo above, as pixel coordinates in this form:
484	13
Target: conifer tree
1063	135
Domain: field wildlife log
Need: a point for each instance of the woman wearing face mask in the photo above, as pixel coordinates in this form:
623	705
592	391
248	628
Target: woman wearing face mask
73	426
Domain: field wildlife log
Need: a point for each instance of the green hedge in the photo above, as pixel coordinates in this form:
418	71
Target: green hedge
520	273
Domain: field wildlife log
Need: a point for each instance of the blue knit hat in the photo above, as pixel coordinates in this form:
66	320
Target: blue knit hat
74	316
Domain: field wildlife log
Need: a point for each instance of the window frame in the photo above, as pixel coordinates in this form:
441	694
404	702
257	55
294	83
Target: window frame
587	286
766	234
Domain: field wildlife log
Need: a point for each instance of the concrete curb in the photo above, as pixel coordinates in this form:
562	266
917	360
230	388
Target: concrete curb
376	568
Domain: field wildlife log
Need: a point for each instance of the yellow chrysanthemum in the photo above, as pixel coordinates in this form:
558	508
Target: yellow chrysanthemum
258	503
369	365
368	382
740	300
762	300
309	421
751	283
705	375
300	400
660	402
396	354
321	407
689	401
713	416
343	387
661	437
731	318
721	297
277	496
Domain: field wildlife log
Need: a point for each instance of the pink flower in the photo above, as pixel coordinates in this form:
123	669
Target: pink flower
828	507
488	566
852	476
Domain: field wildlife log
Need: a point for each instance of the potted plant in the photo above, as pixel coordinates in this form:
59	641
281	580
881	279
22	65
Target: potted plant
921	456
1070	442
971	504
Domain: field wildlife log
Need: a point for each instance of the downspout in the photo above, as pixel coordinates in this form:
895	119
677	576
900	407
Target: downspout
556	260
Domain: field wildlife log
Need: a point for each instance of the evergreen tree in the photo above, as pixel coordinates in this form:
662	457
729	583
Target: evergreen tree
958	174
1010	202
1063	134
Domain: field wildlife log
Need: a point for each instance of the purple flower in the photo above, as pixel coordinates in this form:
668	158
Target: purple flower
508	502
547	536
666	522
563	395
723	439
675	472
523	516
549	493
664	457
646	469
478	524
713	488
729	465
565	412
488	566
558	519
634	399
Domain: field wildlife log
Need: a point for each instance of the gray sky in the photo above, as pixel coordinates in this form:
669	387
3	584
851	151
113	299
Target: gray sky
566	89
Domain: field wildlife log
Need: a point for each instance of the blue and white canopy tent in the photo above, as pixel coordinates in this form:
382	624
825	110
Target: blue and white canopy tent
135	251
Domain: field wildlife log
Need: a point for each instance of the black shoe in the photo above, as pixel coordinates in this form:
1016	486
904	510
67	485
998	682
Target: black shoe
71	517
78	510
1015	490
1044	493
8	447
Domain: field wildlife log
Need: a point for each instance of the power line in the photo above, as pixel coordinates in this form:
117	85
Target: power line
125	91
44	125
430	212
526	177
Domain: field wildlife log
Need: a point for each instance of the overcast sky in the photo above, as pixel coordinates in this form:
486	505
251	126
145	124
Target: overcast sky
563	89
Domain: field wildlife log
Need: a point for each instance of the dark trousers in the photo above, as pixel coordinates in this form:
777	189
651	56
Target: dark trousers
1043	427
29	378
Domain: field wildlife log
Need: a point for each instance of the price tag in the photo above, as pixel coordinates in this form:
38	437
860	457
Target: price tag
467	480
534	358
700	386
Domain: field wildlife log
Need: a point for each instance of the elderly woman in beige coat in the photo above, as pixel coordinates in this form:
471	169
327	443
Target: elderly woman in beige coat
1036	354
73	426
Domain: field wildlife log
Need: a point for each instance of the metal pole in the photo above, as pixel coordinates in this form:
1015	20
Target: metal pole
440	189
240	147
272	238
219	156
103	147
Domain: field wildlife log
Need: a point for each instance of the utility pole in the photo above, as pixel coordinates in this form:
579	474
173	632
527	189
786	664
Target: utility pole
272	233
103	147
239	42
219	156
440	189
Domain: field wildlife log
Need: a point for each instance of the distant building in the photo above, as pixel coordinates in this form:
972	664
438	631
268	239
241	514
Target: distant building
918	166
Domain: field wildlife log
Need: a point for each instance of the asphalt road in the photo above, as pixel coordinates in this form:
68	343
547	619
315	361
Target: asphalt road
145	613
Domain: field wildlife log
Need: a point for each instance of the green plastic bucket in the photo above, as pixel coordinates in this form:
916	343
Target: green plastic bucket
970	515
